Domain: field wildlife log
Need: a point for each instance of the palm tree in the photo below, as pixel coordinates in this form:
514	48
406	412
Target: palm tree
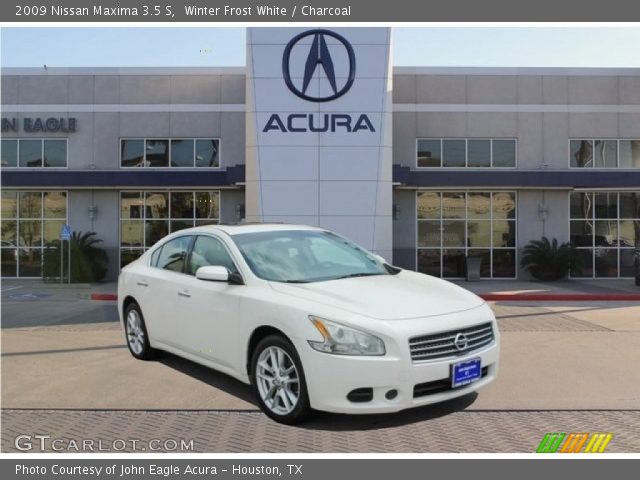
88	262
548	261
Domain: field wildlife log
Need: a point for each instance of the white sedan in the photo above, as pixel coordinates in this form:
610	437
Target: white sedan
308	318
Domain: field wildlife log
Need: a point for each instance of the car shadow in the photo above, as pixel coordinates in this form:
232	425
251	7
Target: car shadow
211	377
343	422
320	420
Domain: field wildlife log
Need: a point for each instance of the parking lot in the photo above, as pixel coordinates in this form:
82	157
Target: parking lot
66	372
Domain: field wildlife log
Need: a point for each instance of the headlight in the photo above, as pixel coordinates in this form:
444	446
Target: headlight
342	340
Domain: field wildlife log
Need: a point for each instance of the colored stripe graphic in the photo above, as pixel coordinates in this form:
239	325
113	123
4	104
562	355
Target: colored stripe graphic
560	442
550	442
574	443
598	443
581	442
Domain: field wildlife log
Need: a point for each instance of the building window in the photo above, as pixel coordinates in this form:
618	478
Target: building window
454	225
605	229
34	153
170	152
30	220
612	153
146	217
466	152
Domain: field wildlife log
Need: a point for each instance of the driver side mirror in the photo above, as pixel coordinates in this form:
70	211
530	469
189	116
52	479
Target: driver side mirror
213	273
218	273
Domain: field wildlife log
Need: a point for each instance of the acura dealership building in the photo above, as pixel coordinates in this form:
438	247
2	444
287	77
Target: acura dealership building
426	166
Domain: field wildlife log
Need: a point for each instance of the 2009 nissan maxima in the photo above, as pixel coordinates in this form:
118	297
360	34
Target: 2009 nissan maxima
308	318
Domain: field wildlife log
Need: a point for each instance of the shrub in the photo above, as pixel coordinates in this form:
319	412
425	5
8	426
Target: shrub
548	261
89	263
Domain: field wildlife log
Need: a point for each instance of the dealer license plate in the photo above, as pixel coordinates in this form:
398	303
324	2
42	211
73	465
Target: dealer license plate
464	373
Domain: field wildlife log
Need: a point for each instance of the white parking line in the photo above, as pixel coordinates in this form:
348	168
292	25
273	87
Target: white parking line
10	288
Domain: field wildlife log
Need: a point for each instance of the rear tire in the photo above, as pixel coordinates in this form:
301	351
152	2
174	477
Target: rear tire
278	380
136	334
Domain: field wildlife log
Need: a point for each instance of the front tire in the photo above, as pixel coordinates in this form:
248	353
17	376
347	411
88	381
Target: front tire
279	381
136	334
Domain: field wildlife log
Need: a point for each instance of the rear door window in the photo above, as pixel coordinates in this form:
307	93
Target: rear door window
173	254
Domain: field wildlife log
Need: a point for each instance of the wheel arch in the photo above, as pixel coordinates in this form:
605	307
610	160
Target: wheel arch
128	300
256	336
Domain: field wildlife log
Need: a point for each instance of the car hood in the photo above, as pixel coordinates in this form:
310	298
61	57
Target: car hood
386	297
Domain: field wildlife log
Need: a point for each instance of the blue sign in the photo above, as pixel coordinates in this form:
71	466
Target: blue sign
465	372
65	232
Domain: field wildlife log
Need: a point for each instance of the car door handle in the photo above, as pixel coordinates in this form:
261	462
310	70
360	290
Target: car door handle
143	284
184	294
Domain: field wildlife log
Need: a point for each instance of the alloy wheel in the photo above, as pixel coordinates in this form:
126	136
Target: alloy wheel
278	380
135	332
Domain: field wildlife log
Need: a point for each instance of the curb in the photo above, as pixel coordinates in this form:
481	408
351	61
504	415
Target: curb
104	296
503	297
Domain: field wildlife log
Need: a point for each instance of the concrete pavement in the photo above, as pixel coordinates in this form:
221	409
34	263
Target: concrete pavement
566	366
557	357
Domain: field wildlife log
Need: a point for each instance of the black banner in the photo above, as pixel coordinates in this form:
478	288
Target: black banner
243	11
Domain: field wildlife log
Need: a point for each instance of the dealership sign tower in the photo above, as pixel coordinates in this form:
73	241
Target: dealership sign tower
319	130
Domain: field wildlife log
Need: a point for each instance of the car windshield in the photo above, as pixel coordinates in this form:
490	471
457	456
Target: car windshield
302	256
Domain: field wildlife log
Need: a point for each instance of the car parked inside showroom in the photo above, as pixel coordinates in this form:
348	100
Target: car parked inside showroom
310	319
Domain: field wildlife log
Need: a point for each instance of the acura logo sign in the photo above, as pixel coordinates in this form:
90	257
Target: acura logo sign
319	57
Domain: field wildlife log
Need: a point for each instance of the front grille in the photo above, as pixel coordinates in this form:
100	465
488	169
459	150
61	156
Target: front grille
441	345
440	386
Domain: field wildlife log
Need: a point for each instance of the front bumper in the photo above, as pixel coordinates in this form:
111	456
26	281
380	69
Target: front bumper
330	378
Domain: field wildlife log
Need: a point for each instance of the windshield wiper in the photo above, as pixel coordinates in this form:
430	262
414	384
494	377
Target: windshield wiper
362	274
295	281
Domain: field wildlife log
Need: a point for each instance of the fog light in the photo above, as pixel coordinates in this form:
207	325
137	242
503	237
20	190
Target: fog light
391	394
360	395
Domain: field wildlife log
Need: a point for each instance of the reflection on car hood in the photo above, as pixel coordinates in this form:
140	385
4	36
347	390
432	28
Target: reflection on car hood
405	295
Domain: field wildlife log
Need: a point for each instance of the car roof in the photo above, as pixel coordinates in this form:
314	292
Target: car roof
240	228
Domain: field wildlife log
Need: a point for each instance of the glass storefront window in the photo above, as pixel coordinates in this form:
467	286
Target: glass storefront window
30	153
132	153
429	233
207	153
207	205
604	153
453	205
182	153
604	228
170	152
453	153
9	153
9	204
30	220
455	225
466	152
157	204
429	205
55	153
629	154
55	204
157	153
181	204
429	153
30	204
148	216
479	153
504	153
34	152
